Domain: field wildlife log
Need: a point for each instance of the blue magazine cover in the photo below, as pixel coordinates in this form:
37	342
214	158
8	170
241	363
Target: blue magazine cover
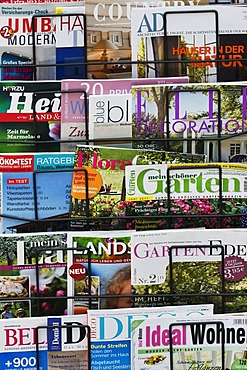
34	187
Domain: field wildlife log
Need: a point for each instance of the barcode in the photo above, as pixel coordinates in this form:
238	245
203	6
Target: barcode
245	185
240	322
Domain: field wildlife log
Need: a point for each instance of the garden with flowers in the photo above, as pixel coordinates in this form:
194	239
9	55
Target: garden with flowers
158	214
187	213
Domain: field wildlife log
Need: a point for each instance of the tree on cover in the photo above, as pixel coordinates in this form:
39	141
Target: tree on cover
8	251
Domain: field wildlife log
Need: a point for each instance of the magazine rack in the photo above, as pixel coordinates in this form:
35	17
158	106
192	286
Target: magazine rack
65	223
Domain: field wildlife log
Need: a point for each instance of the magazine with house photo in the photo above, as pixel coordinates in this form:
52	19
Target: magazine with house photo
190	41
196	118
109	34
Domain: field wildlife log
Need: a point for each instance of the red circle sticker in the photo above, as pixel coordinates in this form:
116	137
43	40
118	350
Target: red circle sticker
235	268
6	32
77	271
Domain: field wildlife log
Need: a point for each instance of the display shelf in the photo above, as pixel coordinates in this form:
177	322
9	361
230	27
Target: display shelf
65	222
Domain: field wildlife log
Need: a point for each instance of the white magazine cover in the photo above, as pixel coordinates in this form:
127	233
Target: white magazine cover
110	117
151	182
201	266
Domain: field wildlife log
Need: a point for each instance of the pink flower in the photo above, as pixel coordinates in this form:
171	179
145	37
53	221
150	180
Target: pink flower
60	293
42	289
46	306
55	129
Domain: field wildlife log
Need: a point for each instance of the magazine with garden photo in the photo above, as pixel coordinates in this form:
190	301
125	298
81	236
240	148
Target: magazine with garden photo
190	266
104	168
211	190
97	264
33	273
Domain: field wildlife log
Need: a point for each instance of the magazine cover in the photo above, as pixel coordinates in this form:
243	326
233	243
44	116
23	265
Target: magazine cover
40	2
36	37
110	118
31	275
63	345
216	341
109	34
35	187
74	93
190	40
98	265
112	329
32	7
151	182
201	266
105	170
197	118
30	111
185	190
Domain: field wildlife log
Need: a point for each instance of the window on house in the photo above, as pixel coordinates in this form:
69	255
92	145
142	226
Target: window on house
93	39
115	39
234	149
